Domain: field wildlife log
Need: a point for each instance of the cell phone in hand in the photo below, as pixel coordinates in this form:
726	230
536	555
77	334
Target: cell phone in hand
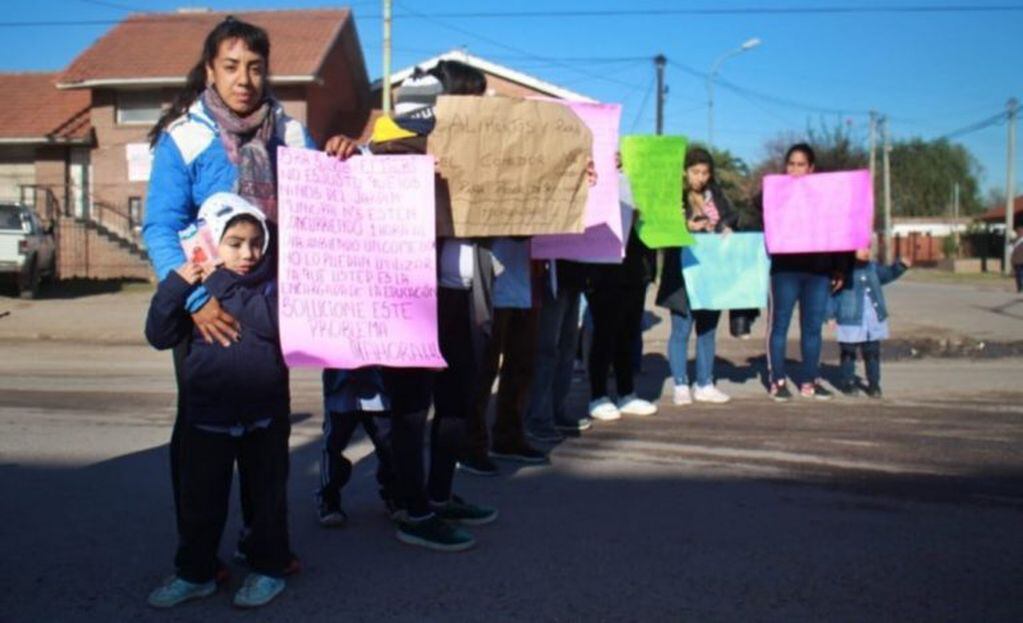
197	243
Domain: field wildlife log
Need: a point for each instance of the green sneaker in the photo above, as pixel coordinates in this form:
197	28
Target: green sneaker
433	533
175	591
457	509
258	590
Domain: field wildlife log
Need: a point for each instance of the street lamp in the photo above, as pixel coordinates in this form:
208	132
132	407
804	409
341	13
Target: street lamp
749	44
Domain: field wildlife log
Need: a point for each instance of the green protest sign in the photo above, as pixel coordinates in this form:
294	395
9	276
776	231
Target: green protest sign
653	165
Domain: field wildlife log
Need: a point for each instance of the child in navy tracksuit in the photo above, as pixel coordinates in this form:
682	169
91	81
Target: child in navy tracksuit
862	318
235	403
351	398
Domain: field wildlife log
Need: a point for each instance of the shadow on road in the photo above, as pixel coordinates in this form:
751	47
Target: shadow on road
576	540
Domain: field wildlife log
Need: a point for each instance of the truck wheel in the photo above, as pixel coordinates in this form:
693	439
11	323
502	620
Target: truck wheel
30	288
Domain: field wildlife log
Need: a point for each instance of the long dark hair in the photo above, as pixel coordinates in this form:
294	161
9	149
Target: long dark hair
699	155
254	37
806	151
459	78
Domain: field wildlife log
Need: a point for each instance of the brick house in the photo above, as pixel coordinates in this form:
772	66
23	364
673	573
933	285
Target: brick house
45	140
132	72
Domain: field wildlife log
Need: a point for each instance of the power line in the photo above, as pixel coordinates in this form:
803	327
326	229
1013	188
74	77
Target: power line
996	119
642	105
511	48
748	10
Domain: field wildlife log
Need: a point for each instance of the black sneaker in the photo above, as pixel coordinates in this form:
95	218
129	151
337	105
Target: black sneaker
391	505
478	466
458	510
815	390
434	533
551	436
331	515
523	453
874	392
849	389
780	392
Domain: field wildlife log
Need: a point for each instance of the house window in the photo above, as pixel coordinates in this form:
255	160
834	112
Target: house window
139	107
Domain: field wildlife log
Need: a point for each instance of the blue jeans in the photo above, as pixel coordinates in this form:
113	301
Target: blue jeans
811	290
706	322
557	339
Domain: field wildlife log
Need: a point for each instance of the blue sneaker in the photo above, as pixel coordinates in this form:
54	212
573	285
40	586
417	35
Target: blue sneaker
175	591
258	590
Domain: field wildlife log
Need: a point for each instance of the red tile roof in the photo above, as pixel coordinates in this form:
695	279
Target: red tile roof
35	109
997	214
166	45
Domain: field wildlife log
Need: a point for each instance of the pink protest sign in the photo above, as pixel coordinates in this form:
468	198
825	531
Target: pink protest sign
819	212
358	278
602	239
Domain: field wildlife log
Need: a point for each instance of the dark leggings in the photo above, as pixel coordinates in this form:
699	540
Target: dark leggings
871	353
617	313
411	391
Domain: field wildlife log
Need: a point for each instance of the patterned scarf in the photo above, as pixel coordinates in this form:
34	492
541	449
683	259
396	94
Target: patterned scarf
245	140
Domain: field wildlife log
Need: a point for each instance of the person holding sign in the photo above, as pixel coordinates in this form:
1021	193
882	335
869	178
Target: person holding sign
431	515
707	211
235	409
616	300
808	278
220	133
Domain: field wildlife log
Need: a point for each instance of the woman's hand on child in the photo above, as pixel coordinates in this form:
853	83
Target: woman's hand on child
341	147
190	272
215	324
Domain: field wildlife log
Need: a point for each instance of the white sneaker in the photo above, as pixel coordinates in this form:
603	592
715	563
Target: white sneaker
605	410
633	405
681	396
709	393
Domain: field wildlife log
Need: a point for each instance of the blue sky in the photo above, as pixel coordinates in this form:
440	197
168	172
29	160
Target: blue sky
931	72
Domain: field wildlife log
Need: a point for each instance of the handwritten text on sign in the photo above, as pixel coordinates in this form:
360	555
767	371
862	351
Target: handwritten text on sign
819	212
603	240
357	261
514	167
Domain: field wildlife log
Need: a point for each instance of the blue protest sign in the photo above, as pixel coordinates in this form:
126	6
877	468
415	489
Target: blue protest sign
726	271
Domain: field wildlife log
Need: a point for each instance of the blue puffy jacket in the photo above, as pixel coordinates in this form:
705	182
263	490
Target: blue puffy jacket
866	279
189	165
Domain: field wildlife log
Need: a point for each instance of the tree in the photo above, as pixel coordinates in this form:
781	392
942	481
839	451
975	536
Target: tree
923	176
836	149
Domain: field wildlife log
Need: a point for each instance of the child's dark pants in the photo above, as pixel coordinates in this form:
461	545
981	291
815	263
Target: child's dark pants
871	352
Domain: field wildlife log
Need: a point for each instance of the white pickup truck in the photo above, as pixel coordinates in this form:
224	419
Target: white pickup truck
27	249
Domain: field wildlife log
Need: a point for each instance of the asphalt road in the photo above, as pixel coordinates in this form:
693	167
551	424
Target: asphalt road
904	510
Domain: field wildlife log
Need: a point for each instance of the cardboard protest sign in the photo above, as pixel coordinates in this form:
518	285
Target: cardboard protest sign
819	212
654	166
358	279
513	167
602	241
726	271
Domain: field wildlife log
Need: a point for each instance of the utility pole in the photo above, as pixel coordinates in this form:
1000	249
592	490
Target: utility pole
386	96
659	62
873	160
1010	183
955	215
889	252
873	147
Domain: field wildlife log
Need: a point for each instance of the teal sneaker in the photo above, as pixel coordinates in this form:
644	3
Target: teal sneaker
258	590
175	591
458	510
433	533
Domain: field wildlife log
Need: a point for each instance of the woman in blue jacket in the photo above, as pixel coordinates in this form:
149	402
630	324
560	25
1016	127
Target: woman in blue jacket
220	133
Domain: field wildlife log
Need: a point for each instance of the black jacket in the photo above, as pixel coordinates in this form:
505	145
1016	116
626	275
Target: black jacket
239	384
672	290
